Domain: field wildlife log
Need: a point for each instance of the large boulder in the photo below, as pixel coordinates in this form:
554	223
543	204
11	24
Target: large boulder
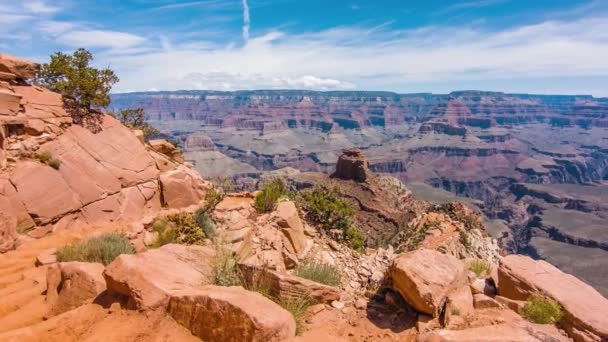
149	279
14	68
292	227
520	331
283	285
425	278
72	284
586	310
216	313
182	187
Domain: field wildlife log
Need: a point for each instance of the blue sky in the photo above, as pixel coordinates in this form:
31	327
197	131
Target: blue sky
534	46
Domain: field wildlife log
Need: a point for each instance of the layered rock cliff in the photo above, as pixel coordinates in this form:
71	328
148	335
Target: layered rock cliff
55	174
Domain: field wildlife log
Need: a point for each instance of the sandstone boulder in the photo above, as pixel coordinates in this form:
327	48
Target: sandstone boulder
216	313
182	187
72	284
283	285
520	331
425	278
149	279
586	310
292	227
14	68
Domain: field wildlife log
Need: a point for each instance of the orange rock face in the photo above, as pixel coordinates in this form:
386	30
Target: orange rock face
426	277
100	176
74	284
586	317
216	313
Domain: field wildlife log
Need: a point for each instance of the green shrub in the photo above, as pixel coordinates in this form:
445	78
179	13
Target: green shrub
103	248
188	231
54	163
267	198
480	267
166	234
205	222
44	156
456	311
297	306
225	268
321	273
471	221
325	208
542	310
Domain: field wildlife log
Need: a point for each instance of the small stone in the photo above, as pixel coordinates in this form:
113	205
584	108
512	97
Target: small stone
47	257
315	309
360	304
337	305
334	245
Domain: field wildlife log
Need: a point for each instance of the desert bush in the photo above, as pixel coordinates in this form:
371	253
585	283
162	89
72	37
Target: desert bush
205	222
542	310
188	231
103	248
455	311
471	221
481	268
297	306
266	200
135	118
225	268
321	273
44	156
325	208
54	163
83	87
166	234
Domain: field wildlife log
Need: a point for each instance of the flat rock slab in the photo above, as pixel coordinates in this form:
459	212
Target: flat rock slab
507	332
216	313
149	279
586	317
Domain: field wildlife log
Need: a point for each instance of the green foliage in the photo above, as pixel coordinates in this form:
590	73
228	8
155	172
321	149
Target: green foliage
82	86
205	222
297	306
321	273
46	157
54	163
325	208
455	311
166	234
480	267
188	231
225	268
542	310
136	119
103	248
471	222
266	200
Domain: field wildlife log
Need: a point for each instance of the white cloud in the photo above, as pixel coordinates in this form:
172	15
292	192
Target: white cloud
99	39
376	58
39	7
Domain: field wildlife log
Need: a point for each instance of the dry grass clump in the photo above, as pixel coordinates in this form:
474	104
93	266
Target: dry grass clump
542	310
321	273
481	268
103	248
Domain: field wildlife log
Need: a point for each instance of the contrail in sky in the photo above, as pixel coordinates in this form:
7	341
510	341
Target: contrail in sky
246	21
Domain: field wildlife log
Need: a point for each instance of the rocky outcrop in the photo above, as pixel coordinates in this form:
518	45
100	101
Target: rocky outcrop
425	278
352	165
216	313
72	284
505	332
55	175
149	279
519	277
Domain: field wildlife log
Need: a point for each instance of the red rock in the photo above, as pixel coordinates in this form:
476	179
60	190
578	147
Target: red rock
149	279
216	313
43	191
426	277
520	331
519	277
352	165
47	257
291	226
13	68
10	102
482	301
182	187
72	284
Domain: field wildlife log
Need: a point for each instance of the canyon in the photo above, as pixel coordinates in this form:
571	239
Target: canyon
535	166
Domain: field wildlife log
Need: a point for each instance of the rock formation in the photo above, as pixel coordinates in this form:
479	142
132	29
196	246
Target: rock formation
96	177
352	165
